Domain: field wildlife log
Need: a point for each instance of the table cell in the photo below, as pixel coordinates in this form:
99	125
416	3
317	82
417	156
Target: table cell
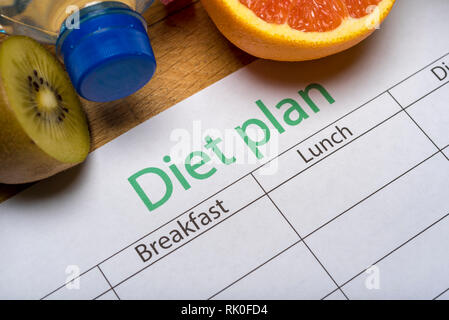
446	152
383	222
295	274
216	259
326	142
418	270
422	83
108	296
432	115
337	295
180	231
352	173
444	296
86	287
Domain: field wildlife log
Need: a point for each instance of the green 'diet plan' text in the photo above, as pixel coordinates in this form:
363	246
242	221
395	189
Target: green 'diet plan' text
294	115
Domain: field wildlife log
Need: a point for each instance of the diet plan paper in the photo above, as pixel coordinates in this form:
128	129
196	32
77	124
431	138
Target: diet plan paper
326	179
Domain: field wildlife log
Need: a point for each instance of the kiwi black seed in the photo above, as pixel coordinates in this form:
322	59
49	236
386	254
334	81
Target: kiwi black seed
36	83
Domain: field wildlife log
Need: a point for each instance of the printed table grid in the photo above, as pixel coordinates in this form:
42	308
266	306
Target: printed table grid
301	239
112	288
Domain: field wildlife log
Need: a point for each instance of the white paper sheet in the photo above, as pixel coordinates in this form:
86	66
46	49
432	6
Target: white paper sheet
364	217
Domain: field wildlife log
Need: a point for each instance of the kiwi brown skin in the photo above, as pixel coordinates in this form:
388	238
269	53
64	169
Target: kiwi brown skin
21	160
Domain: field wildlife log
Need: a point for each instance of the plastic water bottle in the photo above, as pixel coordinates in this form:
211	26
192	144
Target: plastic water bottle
104	44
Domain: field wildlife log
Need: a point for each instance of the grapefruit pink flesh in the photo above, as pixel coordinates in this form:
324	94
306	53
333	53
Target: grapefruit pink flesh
310	15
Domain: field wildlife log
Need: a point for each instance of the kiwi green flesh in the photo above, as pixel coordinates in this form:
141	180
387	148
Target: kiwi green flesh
43	100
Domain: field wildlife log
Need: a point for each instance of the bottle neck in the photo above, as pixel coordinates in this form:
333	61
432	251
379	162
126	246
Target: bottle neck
76	19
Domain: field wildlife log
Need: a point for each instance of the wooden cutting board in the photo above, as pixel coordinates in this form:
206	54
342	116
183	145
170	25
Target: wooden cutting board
191	55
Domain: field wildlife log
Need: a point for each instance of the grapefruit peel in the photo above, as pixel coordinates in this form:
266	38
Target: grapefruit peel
281	42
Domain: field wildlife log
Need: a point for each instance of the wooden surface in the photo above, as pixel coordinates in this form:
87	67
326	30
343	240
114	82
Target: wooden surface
191	55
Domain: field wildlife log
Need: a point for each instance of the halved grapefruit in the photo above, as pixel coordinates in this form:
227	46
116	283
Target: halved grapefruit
295	30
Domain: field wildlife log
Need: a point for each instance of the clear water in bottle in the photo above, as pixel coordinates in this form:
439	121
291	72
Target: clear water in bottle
104	44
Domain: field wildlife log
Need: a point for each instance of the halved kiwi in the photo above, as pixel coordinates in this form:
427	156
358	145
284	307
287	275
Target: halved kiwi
43	129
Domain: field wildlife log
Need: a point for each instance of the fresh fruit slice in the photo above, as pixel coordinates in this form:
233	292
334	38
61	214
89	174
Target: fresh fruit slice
296	30
43	129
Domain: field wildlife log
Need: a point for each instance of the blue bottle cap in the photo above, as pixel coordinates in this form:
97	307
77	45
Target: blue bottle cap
109	56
